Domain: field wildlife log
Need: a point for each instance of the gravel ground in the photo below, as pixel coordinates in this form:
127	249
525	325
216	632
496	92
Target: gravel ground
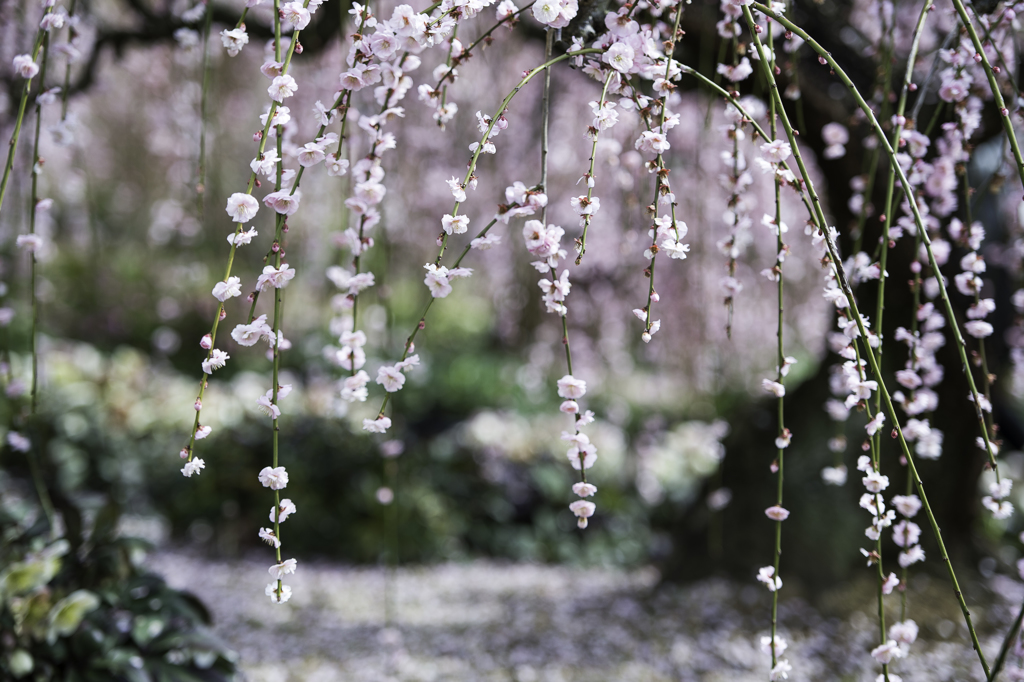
485	621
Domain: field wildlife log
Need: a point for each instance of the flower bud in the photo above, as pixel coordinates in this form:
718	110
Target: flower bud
206	342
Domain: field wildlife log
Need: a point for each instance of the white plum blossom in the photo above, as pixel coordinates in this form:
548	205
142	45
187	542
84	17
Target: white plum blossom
583	454
336	166
979	329
193	467
265	164
267	535
278	571
242	207
234	40
243	237
217	359
834	475
276	596
250	334
652	142
767	576
280	514
275	278
780	671
274	478
741	71
875	482
780	645
457	224
354	387
457	188
486	242
835	136
875	424
222	291
620	57
906	533
911	556
904	632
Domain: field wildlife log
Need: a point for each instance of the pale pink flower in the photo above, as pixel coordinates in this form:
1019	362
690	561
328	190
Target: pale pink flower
884	653
25	66
295	14
310	155
391	378
265	405
737	73
911	556
571	388
275	278
620	57
776	151
282	87
890	584
283	201
908	505
583	511
584	489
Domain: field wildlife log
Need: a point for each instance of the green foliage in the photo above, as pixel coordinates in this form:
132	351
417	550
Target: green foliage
76	606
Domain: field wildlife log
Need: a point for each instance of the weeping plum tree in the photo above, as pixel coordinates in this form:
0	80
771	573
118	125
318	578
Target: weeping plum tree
891	112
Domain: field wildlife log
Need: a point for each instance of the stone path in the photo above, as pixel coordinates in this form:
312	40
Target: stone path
485	621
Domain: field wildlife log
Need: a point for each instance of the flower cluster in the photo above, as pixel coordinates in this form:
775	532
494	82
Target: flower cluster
736	180
276	478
